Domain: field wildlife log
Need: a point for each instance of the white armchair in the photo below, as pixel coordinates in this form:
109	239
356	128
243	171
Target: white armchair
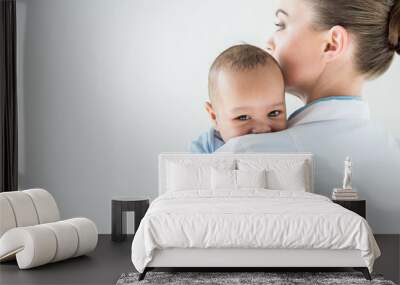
32	233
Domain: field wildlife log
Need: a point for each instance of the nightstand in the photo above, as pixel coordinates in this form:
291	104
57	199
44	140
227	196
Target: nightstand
357	206
119	207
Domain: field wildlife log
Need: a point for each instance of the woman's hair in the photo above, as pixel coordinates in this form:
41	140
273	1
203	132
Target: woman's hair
374	23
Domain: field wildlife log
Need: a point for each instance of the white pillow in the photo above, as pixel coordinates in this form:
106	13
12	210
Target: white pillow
223	179
184	177
293	179
189	174
251	178
282	174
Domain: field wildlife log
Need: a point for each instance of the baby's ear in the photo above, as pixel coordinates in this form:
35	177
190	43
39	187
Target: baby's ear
211	112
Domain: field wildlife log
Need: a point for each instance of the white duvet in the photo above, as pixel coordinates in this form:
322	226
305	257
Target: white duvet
250	219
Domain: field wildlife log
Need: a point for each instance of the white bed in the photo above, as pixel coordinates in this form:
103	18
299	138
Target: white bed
201	220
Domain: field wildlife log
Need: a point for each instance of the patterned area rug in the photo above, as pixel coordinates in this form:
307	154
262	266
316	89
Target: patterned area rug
269	278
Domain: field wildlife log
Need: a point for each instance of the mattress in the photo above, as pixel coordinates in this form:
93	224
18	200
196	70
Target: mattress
250	219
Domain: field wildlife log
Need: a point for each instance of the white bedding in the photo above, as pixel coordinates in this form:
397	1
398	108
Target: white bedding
251	218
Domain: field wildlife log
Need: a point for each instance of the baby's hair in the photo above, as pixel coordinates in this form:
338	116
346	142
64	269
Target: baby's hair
241	57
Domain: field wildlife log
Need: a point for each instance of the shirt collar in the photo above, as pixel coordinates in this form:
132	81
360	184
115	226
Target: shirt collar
331	108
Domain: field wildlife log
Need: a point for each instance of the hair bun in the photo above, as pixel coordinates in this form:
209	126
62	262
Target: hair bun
394	27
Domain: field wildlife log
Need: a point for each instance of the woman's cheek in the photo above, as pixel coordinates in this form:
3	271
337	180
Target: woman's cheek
297	65
283	53
303	60
286	64
293	54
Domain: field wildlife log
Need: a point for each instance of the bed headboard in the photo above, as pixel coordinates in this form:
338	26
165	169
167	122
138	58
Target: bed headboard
271	159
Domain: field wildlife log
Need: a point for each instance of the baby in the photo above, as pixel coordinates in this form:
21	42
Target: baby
247	96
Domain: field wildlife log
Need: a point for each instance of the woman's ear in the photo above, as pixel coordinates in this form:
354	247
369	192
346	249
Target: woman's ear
213	116
337	43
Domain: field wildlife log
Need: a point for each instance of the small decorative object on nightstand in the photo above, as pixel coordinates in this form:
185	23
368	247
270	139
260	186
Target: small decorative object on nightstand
121	205
357	206
346	196
346	192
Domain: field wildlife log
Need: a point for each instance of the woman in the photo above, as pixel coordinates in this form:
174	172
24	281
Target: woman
328	50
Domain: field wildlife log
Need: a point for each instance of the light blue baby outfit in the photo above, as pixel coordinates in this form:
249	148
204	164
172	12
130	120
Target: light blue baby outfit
208	142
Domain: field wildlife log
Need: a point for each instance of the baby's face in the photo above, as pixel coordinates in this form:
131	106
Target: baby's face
249	102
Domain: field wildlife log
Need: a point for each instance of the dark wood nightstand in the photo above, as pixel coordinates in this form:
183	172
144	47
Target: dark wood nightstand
119	207
357	206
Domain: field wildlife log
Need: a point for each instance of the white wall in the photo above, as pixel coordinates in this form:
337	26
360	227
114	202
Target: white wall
106	85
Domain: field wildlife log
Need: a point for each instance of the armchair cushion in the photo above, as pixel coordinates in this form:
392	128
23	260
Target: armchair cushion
27	208
30	230
40	244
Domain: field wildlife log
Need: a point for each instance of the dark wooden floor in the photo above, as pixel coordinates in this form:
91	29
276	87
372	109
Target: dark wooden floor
102	266
110	260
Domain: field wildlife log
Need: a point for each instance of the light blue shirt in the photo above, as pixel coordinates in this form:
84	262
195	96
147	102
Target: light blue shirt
332	128
208	142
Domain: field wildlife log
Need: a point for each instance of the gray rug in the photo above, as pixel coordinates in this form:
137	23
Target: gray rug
269	278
